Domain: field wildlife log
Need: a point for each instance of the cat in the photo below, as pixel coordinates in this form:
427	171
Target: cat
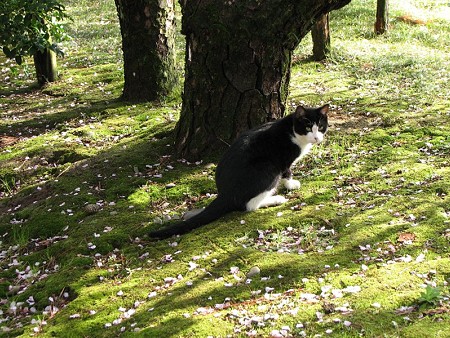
249	172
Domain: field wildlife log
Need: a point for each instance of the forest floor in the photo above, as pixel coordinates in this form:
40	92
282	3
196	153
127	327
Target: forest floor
361	249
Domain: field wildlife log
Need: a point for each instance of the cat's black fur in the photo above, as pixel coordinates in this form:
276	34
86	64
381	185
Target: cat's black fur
254	165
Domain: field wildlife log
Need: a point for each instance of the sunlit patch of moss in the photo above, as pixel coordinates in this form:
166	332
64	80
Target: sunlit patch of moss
377	187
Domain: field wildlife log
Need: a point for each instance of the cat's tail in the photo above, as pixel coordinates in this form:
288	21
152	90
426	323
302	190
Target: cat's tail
213	211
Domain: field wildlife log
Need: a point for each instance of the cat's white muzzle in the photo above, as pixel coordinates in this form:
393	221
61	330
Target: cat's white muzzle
315	136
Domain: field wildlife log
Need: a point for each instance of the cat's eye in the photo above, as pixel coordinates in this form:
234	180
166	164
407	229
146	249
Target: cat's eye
322	127
308	129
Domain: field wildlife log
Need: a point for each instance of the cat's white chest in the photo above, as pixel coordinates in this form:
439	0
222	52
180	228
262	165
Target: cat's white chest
303	142
305	149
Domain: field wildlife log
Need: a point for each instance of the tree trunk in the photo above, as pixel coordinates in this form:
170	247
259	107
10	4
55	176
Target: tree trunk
321	38
382	21
45	66
148	44
238	57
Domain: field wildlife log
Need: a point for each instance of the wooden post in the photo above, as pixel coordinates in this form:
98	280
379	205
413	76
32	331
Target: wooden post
45	65
382	20
320	33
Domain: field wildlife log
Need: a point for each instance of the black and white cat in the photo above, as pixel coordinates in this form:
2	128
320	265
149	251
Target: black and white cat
249	172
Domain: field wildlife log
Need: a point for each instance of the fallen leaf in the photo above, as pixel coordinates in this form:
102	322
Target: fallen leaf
437	311
406	237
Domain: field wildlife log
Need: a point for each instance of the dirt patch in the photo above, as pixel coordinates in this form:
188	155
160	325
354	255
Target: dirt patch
352	122
6	141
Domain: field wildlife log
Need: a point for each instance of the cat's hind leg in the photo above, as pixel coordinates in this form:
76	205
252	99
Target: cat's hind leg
265	199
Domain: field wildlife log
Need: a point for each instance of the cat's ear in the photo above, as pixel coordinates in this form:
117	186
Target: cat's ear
300	111
324	109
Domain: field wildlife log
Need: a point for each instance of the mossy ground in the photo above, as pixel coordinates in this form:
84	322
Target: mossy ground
84	176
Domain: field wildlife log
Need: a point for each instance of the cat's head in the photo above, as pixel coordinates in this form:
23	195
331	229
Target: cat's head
311	124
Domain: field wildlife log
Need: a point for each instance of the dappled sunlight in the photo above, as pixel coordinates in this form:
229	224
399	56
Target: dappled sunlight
424	10
361	249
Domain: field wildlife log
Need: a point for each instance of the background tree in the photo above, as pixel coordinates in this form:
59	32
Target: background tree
320	33
30	28
382	18
148	44
238	58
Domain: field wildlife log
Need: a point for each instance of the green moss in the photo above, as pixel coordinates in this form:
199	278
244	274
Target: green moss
381	174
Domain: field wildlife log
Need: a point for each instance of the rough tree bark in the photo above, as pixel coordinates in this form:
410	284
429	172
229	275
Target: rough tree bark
45	66
320	33
382	19
148	44
238	57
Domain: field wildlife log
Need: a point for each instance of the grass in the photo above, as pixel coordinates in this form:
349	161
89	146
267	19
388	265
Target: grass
362	249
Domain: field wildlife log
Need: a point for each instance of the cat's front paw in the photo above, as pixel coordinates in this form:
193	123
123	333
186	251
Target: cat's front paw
278	200
291	184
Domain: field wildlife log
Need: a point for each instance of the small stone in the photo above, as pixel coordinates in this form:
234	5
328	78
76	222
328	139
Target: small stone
254	271
92	208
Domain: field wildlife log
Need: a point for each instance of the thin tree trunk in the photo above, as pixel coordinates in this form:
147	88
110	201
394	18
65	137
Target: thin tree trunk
382	19
45	66
238	57
148	44
320	33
